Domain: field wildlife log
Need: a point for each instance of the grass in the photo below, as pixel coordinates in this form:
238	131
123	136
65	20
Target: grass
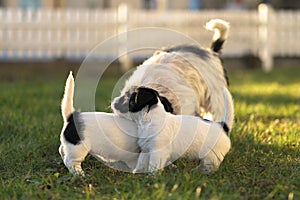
264	162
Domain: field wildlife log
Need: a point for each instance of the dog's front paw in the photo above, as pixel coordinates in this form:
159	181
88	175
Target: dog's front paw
77	171
139	170
156	163
142	163
152	169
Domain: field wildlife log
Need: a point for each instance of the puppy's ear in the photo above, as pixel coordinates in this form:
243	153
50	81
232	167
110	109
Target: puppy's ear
132	102
142	98
167	105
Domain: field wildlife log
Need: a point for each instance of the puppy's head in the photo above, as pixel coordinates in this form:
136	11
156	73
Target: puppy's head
141	98
137	98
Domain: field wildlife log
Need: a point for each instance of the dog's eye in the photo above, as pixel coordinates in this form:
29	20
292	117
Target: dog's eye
132	102
131	105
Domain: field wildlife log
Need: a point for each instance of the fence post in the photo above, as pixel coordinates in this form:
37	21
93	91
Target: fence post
123	37
265	37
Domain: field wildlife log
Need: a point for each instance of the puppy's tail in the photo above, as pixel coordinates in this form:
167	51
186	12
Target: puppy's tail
67	107
220	28
228	118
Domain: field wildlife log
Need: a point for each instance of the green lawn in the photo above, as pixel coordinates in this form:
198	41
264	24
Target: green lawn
264	162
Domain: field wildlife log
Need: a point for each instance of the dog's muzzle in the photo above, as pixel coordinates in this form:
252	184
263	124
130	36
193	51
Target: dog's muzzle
122	105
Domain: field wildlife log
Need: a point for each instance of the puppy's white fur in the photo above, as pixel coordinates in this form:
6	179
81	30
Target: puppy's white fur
192	83
164	137
105	136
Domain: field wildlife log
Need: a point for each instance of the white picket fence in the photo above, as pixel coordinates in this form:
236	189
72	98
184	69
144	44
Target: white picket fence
72	34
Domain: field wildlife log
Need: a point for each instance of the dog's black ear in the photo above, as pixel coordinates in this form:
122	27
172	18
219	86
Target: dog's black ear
143	97
167	105
132	102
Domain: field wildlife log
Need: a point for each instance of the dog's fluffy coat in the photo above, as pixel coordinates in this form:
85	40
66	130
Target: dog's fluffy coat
106	136
189	78
164	137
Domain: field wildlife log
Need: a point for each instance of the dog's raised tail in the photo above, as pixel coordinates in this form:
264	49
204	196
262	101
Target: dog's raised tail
67	107
220	29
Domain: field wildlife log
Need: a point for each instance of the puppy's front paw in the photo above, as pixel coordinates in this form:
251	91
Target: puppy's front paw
152	169
77	171
156	163
142	163
172	165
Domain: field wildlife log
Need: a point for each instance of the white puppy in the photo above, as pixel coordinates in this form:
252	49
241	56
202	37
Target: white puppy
164	137
107	137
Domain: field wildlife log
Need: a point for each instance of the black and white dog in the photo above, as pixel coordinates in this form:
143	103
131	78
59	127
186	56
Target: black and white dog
189	79
106	136
164	137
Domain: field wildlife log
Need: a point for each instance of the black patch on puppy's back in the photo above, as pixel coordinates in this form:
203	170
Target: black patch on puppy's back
142	98
74	127
225	127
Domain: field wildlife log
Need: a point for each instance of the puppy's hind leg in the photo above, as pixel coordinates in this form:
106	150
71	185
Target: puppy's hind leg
215	157
74	156
211	162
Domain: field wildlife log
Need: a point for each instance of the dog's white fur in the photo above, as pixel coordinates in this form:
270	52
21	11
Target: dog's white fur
220	28
193	84
105	136
164	137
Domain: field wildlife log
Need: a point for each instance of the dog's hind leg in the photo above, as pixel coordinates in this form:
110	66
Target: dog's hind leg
211	162
74	156
215	157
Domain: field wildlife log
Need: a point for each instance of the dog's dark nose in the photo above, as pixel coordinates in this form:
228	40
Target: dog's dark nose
121	106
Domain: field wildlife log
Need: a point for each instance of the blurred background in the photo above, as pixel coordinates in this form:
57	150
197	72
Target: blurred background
43	33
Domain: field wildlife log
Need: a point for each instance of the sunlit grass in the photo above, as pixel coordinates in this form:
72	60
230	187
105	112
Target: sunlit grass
264	161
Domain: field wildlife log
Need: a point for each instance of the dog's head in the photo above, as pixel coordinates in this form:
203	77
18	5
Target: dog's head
136	99
147	97
120	104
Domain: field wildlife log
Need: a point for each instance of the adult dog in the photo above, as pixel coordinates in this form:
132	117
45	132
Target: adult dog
106	136
164	137
188	78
